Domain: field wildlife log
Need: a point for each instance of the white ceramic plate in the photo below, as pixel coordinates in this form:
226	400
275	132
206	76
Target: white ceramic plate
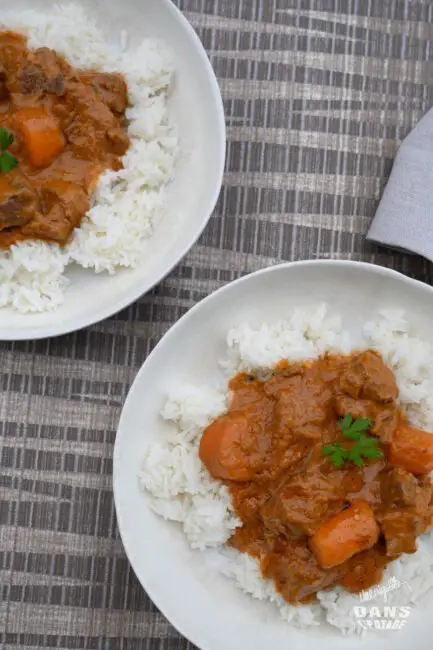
205	607
197	108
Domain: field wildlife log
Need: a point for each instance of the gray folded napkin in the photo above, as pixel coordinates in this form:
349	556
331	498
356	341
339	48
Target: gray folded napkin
404	218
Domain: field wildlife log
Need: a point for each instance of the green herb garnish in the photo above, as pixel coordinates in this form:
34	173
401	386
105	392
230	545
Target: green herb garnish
353	428
364	446
337	454
7	161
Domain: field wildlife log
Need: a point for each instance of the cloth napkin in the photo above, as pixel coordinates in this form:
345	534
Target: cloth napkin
404	219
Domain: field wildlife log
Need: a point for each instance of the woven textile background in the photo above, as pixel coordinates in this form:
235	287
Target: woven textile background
318	95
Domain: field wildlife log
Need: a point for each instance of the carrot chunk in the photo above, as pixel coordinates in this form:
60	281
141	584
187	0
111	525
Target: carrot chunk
41	134
349	532
223	448
412	449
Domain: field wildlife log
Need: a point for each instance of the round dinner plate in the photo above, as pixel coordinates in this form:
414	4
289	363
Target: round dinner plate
205	607
197	109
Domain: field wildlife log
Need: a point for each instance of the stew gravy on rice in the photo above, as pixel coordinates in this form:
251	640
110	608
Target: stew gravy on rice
66	127
305	477
88	145
327	477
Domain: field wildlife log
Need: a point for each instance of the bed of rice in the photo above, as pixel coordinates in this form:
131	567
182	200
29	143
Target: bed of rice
181	490
127	203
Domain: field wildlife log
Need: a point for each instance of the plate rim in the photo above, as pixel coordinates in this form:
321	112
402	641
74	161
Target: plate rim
130	296
125	537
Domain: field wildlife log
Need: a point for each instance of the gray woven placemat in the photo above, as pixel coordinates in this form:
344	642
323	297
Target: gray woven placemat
318	96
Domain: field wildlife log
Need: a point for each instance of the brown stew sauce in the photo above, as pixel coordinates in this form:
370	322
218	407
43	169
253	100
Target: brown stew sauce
283	488
68	127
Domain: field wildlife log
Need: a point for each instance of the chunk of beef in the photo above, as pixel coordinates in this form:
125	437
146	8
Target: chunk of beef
358	408
365	569
82	136
296	572
91	123
300	506
64	205
64	114
70	196
303	402
368	377
282	378
383	416
12	51
406	510
425	482
4	92
401	527
19	202
118	141
110	88
399	487
51	227
384	421
41	73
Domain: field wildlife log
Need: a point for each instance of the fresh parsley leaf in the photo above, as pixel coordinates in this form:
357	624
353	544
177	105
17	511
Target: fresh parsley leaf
361	424
339	458
346	421
352	428
367	441
372	453
355	457
7	162
352	435
327	450
337	454
364	446
6	139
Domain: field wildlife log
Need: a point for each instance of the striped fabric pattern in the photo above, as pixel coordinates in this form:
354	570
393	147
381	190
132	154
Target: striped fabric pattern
318	96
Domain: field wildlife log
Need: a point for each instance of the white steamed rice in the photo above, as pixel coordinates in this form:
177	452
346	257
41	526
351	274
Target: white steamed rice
127	203
181	489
